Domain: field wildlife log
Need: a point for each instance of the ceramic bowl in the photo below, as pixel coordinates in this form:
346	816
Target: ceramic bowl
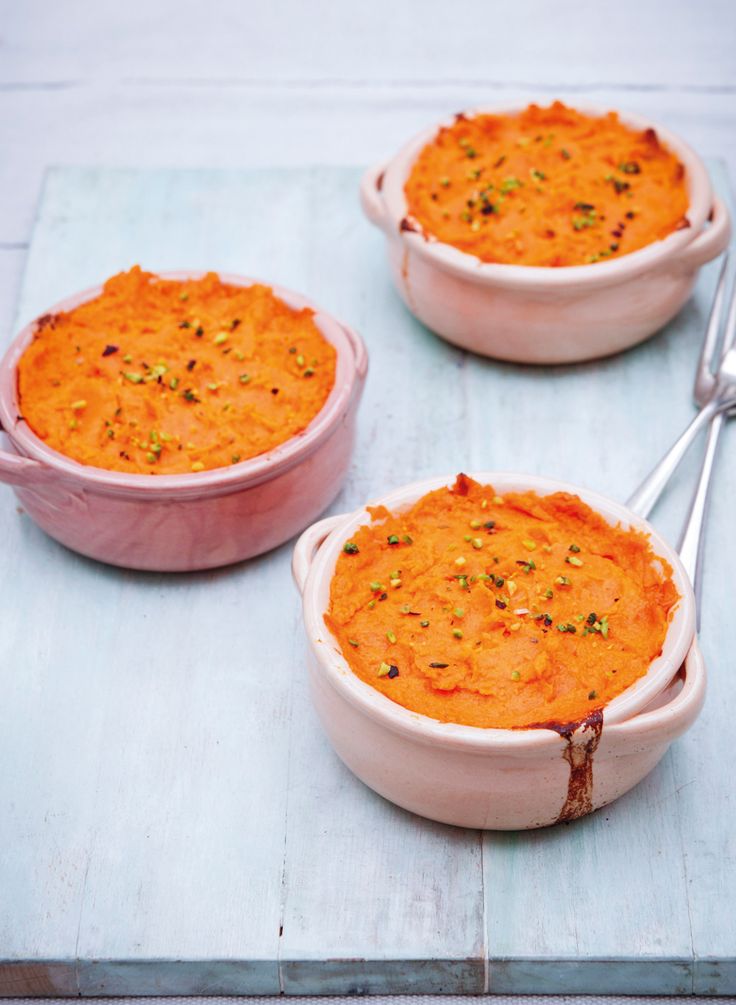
186	521
532	314
499	779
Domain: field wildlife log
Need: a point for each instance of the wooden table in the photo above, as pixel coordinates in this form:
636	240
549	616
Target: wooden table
171	818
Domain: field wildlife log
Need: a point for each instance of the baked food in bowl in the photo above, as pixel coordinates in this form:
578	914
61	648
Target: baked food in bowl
532	234
525	771
180	421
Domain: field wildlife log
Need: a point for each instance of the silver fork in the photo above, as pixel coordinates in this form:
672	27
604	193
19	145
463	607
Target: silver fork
715	392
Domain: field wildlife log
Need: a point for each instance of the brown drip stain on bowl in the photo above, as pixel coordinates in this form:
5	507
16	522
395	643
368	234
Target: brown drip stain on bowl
581	742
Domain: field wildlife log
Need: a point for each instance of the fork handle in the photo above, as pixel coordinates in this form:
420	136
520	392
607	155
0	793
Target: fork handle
643	501
692	539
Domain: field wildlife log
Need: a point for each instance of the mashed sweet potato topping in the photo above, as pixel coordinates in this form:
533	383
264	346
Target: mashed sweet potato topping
547	186
158	376
499	611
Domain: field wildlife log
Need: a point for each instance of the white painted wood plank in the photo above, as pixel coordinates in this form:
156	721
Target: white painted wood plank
375	898
151	711
118	124
624	899
354	42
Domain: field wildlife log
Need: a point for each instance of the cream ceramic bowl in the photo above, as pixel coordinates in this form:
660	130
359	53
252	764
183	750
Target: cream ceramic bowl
497	779
531	314
178	523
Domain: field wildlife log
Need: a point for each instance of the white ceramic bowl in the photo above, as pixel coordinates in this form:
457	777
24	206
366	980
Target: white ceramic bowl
532	314
182	522
499	779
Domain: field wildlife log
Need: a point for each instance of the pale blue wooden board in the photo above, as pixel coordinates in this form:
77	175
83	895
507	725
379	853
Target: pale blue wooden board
171	808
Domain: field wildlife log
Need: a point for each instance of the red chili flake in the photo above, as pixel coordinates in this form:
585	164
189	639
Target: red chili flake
109	350
461	486
234	323
274	390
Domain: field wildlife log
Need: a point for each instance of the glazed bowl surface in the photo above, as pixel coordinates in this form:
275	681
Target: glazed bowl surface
533	314
187	521
495	778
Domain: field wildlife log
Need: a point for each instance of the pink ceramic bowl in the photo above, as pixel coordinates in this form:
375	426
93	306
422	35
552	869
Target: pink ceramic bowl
530	314
497	779
177	523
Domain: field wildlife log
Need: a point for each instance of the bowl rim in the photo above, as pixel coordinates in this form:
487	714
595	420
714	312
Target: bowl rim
350	351
390	188
336	670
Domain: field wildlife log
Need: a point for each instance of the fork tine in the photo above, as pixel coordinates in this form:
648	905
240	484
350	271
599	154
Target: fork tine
704	379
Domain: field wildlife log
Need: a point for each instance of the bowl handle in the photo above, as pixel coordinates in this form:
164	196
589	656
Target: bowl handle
359	350
21	471
370	195
675	716
308	545
711	241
